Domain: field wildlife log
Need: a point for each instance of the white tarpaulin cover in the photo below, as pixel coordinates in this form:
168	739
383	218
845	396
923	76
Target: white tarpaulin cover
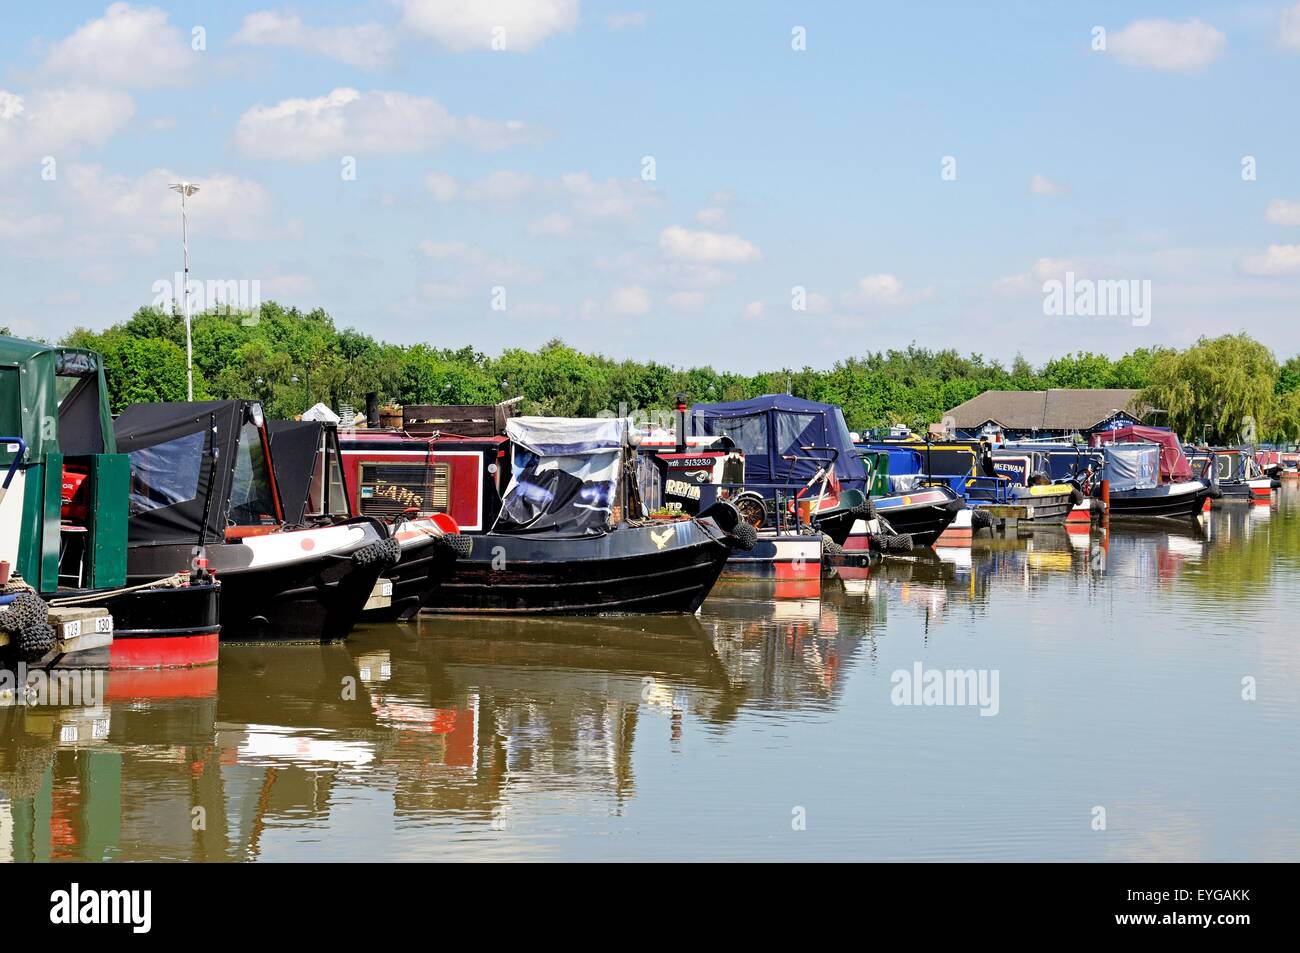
567	436
321	412
1132	466
563	476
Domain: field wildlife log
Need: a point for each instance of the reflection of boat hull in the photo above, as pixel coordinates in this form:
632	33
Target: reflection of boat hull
665	568
1169	500
299	586
157	628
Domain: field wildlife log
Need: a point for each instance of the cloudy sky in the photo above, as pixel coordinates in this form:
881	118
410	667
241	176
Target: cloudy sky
743	184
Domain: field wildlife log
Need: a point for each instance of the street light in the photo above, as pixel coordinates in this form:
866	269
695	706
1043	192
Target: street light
186	189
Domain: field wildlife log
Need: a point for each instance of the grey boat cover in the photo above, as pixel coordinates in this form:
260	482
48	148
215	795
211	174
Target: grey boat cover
1132	466
563	477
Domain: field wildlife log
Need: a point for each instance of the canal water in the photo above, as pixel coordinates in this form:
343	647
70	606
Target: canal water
1134	696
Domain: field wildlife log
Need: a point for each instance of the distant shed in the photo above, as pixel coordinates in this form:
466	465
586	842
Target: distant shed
1060	412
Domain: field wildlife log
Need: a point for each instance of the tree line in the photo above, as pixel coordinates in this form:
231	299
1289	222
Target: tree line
1223	389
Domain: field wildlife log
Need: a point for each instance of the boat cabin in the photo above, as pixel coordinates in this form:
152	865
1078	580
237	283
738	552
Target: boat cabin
63	485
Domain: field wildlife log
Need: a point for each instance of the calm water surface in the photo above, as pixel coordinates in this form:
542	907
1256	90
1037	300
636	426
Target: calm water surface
763	729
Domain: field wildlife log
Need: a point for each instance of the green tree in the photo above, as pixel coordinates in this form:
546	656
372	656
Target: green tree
1222	388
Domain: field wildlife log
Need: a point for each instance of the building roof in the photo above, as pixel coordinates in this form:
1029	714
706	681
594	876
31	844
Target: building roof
1058	409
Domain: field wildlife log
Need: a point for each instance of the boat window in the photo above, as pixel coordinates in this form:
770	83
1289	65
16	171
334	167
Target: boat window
748	433
794	431
388	489
167	473
326	495
252	500
1223	467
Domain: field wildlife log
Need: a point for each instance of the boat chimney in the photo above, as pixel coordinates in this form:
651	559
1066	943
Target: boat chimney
681	423
372	410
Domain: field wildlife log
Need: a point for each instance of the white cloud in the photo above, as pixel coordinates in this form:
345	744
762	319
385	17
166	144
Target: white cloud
1277	260
128	47
713	217
621	21
23	228
462	25
443	186
443	250
50	121
471	259
287	286
882	290
1042	185
1168	45
552	226
225	205
1283	212
608	198
501	186
630	300
1044	269
1289	28
688	300
348	122
366	45
701	246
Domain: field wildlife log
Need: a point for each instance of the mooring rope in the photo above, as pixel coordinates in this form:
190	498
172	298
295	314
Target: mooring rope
174	581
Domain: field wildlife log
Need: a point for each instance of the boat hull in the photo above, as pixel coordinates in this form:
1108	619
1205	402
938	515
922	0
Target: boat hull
176	627
1168	501
923	515
665	568
426	561
300	586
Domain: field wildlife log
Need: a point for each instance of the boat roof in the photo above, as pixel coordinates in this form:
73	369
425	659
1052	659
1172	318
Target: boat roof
30	396
163	440
774	448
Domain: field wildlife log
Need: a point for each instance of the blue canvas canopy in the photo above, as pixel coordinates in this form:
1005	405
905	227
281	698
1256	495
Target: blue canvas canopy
770	428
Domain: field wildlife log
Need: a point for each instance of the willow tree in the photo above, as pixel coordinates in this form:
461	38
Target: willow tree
1221	389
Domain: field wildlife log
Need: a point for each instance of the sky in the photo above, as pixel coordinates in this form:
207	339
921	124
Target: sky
747	185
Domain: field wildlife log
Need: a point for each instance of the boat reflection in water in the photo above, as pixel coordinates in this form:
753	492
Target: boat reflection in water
692	736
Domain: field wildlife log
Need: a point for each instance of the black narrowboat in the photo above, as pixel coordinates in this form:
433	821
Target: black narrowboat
203	491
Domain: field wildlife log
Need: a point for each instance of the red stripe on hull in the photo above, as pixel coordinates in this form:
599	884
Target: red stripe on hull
170	651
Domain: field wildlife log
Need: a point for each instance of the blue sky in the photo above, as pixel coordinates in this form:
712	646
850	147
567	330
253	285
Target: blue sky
486	176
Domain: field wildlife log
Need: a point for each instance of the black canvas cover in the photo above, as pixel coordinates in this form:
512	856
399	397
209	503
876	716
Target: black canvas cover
173	468
295	445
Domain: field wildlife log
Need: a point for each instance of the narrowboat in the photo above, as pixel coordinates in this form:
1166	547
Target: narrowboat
801	476
984	475
1236	473
64	502
310	472
554	515
203	488
1148	475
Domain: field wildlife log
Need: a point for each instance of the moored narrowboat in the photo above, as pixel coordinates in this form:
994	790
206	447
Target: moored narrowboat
63	530
203	487
314	486
553	513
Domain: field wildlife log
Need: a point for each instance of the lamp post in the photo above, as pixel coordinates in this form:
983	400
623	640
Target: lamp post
186	189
